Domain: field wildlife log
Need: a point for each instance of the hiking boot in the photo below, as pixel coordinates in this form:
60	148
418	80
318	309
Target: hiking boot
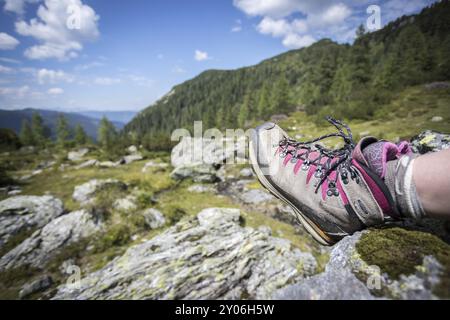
334	193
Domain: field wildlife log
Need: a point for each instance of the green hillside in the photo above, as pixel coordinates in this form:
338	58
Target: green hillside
348	81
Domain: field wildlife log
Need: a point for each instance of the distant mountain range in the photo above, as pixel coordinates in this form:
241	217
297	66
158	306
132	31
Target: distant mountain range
12	119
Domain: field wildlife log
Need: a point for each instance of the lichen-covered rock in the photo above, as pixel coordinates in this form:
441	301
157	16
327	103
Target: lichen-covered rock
126	204
207	257
24	213
202	188
430	141
390	263
154	218
198	173
51	240
85	193
87	164
132	158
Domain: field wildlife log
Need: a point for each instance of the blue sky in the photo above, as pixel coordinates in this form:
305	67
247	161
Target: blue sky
123	55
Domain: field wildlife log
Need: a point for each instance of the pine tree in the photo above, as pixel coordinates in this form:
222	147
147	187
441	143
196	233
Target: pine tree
62	131
26	134
263	102
106	134
37	126
244	111
80	135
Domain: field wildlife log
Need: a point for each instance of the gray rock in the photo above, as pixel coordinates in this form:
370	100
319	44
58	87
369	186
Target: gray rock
246	173
85	193
201	188
14	192
87	164
207	257
107	164
154	218
437	85
152	164
77	155
339	280
193	151
24	213
430	141
437	119
256	196
132	158
40	284
44	244
126	204
132	149
199	173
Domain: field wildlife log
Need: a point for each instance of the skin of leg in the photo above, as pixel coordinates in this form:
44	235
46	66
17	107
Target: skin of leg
431	174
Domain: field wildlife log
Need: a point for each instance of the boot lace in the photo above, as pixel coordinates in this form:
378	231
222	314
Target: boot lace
328	160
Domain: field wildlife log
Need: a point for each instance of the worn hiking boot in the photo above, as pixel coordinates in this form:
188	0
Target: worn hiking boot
334	193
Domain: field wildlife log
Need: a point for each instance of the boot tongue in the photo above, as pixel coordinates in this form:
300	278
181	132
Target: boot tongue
376	154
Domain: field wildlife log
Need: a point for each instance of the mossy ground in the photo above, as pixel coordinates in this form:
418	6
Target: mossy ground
398	251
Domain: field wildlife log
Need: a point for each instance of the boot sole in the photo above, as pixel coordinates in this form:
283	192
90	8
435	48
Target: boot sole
310	226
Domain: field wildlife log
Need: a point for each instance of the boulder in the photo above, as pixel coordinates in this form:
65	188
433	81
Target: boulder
77	155
193	151
246	173
389	263
126	204
154	218
132	150
198	173
85	193
201	188
152	164
25	213
430	141
87	164
437	119
132	158
107	164
207	257
256	196
47	242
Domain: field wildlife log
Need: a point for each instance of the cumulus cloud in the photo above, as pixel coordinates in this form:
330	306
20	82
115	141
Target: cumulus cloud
17	6
201	55
52	76
58	37
178	69
15	92
106	81
55	91
299	22
7	42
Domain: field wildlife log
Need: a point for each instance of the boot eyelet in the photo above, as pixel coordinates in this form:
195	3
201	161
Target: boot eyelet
294	160
330	192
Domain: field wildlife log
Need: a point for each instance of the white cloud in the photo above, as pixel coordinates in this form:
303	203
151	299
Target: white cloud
50	29
201	55
9	60
106	81
90	65
52	76
8	42
299	22
295	41
55	91
237	26
17	6
15	92
4	69
141	81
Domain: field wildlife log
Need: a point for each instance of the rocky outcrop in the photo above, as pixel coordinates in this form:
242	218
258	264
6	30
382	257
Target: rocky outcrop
126	204
256	196
51	240
85	193
402	265
207	257
25	213
430	141
87	164
37	285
